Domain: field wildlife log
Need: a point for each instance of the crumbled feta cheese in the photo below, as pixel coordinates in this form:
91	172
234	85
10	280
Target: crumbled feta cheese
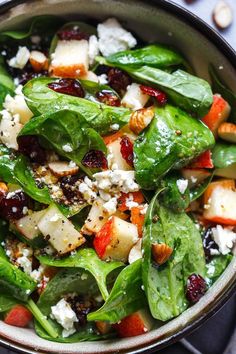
65	316
9	129
144	210
182	185
116	181
88	194
193	179
21	58
224	238
37	274
25	263
67	148
93	49
130	202
115	127
25	210
72	164
113	38
103	79
110	206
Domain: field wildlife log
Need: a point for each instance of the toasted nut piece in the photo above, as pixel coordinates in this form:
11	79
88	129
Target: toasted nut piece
3	189
227	131
222	15
161	252
103	327
140	119
62	168
38	60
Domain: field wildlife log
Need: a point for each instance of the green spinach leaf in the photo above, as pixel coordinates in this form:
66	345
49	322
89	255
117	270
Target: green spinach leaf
68	133
186	91
41	99
160	147
165	286
7	302
125	298
216	267
87	259
220	87
14	282
224	154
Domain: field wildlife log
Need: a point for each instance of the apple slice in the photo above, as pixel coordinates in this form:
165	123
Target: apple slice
203	161
227	172
115	157
70	59
97	217
59	231
63	168
138	323
135	252
115	239
218	114
220	202
28	225
194	175
134	98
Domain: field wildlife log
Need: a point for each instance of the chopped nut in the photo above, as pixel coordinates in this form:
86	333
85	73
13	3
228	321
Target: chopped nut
161	252
38	61
227	131
63	168
140	119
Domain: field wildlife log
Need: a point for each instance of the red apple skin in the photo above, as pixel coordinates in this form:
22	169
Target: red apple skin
18	316
203	161
103	238
132	325
219	113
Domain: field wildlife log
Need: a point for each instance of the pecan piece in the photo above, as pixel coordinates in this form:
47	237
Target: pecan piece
161	252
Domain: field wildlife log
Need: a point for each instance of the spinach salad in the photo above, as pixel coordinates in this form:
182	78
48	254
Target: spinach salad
117	181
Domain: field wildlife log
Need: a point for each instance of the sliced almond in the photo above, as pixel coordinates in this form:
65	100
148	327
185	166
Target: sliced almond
161	252
140	119
38	60
222	15
62	168
227	131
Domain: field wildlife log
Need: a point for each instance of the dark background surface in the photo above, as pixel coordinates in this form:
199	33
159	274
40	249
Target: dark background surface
216	336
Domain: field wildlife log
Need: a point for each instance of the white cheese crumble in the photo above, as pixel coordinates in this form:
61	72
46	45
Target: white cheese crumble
88	194
65	316
224	238
115	126
130	202
110	206
93	49
116	181
21	58
67	148
103	79
25	263
182	185
112	38
9	129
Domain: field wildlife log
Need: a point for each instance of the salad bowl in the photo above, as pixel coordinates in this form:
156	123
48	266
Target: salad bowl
152	21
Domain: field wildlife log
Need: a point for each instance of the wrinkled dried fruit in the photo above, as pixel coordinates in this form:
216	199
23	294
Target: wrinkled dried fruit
13	205
159	95
196	288
81	306
140	119
29	146
69	87
108	98
126	149
69	34
70	187
161	252
95	159
118	80
209	244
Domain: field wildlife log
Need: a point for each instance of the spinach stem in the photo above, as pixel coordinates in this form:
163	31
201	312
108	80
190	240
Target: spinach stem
41	318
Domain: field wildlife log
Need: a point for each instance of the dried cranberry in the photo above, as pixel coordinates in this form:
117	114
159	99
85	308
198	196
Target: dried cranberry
126	149
108	98
69	34
102	69
209	244
29	146
95	159
196	288
159	95
81	306
70	87
29	75
13	205
118	80
69	187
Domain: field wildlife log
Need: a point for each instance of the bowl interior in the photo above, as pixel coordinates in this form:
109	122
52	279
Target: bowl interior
151	21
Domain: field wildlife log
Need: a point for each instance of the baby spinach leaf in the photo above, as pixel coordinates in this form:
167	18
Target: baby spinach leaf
14	282
199	189
3	253
160	147
41	99
68	133
87	259
171	196
6	83
216	267
186	91
220	87
7	302
7	164
154	55
66	281
223	154
125	298
165	286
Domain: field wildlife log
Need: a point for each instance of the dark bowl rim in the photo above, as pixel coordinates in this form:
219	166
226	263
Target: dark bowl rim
226	49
